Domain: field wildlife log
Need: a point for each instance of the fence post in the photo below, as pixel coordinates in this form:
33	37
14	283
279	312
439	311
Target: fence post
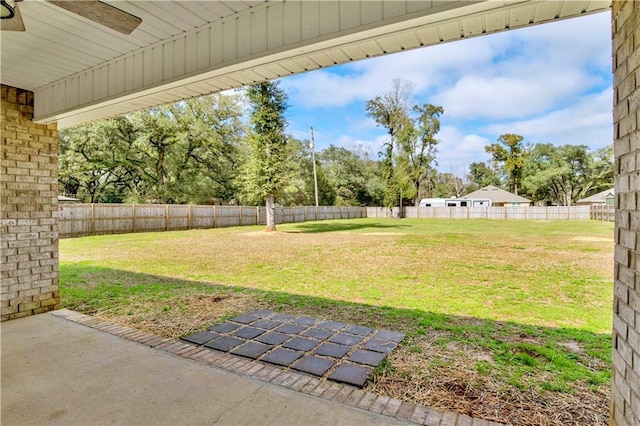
166	217
190	218
240	216
133	218
215	219
93	219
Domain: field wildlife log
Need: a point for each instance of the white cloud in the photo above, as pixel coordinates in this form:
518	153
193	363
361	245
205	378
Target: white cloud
371	146
588	121
360	81
456	150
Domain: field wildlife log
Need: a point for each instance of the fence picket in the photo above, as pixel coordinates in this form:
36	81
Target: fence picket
77	220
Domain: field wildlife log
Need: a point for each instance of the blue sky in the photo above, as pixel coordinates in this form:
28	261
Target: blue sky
550	83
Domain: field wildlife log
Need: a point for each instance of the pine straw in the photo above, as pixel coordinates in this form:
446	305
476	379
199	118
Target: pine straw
455	385
190	313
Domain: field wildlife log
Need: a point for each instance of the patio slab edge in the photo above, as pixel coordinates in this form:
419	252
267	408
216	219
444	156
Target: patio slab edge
339	393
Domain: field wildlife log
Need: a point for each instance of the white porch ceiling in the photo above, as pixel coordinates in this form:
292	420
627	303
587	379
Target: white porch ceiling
81	71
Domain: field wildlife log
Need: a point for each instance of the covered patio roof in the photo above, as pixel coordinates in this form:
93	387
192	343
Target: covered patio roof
80	70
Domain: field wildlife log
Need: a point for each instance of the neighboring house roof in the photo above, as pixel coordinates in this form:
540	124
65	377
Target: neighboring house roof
600	197
497	195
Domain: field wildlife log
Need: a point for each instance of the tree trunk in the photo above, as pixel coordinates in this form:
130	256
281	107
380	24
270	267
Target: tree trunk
271	214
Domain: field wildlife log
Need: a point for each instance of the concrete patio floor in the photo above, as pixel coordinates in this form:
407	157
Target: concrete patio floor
78	371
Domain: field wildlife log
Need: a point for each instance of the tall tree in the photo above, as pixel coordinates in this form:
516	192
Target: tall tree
186	152
354	177
600	171
481	175
409	153
451	186
98	160
557	174
508	153
391	111
420	146
299	189
265	173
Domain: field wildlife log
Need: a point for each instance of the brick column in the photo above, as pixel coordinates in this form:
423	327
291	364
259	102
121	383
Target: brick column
625	404
28	209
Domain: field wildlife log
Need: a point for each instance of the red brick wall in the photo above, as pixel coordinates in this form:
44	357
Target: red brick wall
28	209
625	406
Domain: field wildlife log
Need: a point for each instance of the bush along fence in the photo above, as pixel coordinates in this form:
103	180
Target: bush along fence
503	213
76	220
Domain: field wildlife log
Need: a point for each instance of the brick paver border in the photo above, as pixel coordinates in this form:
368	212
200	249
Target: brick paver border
336	392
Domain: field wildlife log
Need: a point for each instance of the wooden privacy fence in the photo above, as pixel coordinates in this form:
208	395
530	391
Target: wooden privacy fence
603	212
504	213
76	220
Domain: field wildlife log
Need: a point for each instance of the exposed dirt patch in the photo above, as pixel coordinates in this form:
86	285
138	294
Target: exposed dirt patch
573	346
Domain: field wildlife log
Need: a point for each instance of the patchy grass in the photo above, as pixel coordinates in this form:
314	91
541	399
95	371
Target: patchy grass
509	321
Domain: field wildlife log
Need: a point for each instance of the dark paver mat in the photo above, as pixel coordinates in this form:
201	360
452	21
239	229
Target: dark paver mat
334	350
351	374
282	356
313	365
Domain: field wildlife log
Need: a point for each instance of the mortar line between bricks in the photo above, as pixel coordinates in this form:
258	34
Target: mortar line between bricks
229	362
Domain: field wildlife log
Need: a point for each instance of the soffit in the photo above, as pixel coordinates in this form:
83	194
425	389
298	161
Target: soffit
82	71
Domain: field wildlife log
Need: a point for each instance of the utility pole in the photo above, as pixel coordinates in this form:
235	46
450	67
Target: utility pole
313	158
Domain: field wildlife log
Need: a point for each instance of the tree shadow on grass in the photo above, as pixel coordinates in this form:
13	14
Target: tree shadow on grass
90	289
320	227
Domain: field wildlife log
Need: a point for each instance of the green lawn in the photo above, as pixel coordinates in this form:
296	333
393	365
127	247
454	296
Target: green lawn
492	308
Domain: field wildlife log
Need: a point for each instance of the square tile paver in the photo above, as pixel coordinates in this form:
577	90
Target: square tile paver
201	337
262	313
245	319
394	336
351	374
301	344
225	327
248	332
346	339
224	343
251	349
359	330
333	350
273	338
313	365
291	328
281	356
281	317
367	357
378	345
304	320
267	324
332	325
317	333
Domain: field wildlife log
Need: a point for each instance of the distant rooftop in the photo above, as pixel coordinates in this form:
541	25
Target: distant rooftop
497	195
